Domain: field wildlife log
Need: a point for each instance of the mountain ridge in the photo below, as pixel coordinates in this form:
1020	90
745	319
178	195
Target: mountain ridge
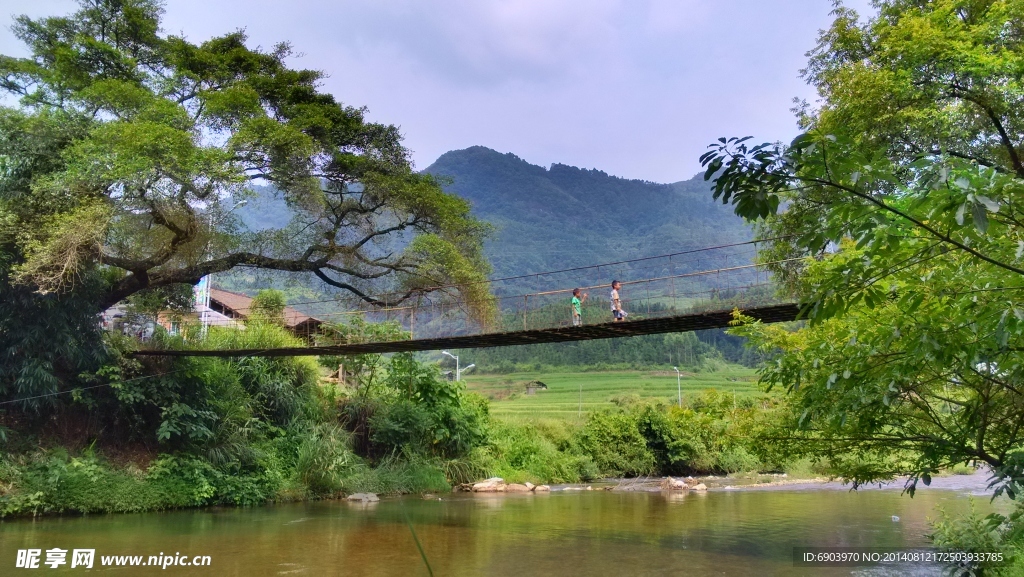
564	216
561	217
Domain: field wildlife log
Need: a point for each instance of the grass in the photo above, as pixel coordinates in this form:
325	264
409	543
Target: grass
599	389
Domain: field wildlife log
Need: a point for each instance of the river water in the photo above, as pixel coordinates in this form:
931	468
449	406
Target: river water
721	532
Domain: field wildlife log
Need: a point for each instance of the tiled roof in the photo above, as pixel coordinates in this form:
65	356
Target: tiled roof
240	305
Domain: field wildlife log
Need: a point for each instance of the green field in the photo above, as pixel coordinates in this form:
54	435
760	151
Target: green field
562	398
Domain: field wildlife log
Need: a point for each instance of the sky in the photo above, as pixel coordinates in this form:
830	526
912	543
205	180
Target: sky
635	88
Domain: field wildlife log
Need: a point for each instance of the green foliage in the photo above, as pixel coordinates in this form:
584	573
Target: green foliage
401	405
702	351
45	340
324	458
992	534
268	306
410	407
562	216
366	372
123	160
897	210
710	434
525	451
147	304
613	440
399	473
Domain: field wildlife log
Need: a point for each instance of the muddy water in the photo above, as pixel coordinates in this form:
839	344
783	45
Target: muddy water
748	532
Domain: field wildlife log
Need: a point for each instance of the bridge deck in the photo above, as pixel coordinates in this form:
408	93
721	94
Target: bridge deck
675	324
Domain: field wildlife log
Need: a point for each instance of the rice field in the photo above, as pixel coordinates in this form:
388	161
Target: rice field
568	394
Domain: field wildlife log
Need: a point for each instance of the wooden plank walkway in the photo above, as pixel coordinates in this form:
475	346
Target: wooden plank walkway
675	324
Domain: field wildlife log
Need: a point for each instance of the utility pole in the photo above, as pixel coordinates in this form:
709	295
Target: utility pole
679	387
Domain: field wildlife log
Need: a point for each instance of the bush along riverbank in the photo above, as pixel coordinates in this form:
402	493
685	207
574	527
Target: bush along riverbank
198	432
140	436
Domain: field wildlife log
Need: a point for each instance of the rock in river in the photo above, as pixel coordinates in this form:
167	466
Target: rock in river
672	484
492	485
364	497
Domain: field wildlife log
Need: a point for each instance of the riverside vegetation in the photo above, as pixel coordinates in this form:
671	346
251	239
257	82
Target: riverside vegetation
900	205
897	213
202	431
121	165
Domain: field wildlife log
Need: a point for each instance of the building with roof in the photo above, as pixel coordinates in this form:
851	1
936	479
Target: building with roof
231	309
235	306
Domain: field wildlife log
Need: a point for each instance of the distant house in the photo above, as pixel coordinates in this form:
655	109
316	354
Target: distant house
237	306
533	386
230	309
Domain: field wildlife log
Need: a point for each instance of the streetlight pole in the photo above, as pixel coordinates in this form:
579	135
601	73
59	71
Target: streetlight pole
208	285
679	387
458	372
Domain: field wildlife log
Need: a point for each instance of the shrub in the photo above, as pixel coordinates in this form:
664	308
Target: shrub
399	473
612	439
522	451
973	533
324	459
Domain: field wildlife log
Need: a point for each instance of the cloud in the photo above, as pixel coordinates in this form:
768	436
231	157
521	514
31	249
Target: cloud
486	42
636	88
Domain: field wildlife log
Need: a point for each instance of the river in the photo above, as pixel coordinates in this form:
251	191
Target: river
721	532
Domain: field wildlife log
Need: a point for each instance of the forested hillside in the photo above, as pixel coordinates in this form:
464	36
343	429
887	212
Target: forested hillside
563	216
560	217
546	219
554	218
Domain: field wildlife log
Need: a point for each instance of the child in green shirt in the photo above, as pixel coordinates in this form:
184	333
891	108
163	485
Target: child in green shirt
577	307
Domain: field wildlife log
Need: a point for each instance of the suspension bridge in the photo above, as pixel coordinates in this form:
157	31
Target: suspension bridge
685	291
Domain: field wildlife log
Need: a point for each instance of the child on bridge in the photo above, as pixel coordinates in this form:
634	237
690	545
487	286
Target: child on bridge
577	304
617	313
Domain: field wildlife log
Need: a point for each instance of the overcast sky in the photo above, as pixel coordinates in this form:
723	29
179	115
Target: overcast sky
635	88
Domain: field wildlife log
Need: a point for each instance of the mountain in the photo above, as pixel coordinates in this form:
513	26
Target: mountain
563	216
555	218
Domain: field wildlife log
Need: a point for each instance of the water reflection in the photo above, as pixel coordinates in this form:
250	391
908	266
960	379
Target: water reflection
564	533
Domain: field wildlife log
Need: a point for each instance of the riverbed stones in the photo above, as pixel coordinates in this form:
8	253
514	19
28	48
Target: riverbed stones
498	485
673	484
699	487
492	485
363	497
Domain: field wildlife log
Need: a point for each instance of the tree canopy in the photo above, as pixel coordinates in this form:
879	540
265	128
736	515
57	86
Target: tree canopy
126	152
905	195
130	147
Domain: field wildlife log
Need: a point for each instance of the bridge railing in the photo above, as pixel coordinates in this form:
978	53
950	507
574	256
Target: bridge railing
715	278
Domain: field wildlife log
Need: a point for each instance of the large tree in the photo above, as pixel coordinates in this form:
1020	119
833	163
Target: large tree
902	206
130	146
128	149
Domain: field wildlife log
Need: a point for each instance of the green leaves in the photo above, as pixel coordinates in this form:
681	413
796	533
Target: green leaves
903	194
163	133
749	177
980	218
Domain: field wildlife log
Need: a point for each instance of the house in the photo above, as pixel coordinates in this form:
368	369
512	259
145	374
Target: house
236	306
533	386
230	309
